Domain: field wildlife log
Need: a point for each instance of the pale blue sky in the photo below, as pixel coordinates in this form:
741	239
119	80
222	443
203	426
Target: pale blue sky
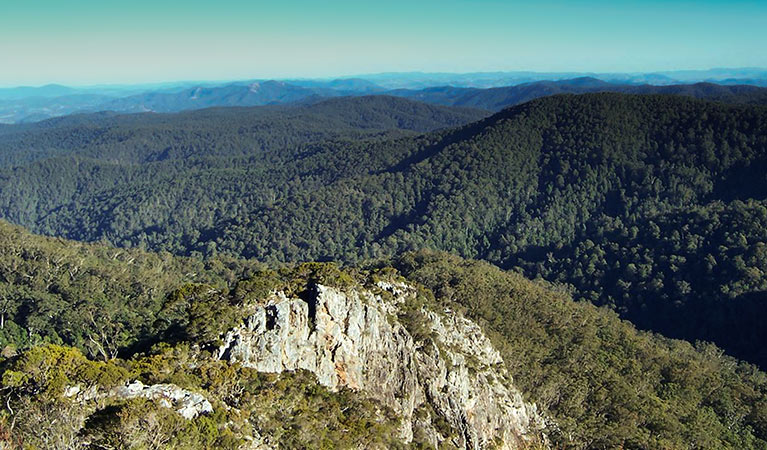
89	41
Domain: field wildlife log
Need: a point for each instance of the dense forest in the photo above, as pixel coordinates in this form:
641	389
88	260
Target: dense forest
498	98
605	384
216	132
651	205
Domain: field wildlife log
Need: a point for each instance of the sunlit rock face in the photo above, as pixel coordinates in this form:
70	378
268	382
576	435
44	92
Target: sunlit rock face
186	403
449	373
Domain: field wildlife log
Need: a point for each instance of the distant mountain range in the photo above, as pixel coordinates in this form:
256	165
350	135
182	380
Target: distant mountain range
420	80
254	94
496	99
489	91
652	207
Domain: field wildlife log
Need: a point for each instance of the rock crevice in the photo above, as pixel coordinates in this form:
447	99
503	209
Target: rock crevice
352	339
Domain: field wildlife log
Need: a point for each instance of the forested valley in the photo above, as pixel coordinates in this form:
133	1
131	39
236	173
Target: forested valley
95	317
626	211
651	205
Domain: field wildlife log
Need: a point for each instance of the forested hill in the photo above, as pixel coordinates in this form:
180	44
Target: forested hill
223	132
653	205
154	318
497	98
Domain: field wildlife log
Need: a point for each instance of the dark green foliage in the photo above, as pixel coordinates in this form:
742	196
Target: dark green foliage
497	98
594	191
606	384
109	302
289	411
258	287
223	132
695	271
311	417
199	313
652	206
100	299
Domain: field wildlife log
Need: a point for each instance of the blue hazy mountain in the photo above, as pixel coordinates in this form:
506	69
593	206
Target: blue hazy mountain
495	99
49	90
253	94
421	80
348	85
491	91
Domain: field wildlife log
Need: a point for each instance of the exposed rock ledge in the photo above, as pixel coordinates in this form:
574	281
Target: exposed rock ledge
352	339
188	404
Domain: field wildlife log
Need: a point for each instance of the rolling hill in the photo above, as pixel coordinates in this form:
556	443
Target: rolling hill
23	105
651	205
223	131
498	98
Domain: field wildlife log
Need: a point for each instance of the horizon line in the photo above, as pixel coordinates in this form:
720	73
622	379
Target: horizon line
158	83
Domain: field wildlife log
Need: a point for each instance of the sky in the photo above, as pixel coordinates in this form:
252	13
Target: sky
81	42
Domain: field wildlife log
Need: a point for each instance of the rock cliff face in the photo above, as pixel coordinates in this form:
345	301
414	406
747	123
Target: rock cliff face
438	371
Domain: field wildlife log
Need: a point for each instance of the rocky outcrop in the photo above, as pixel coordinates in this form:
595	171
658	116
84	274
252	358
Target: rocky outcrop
188	404
438	371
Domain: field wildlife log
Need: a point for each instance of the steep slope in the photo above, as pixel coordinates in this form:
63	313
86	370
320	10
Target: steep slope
66	159
437	367
370	340
576	189
100	299
531	176
55	398
605	384
309	356
579	190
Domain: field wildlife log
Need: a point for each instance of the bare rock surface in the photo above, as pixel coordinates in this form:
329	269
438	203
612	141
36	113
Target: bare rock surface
187	403
443	370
